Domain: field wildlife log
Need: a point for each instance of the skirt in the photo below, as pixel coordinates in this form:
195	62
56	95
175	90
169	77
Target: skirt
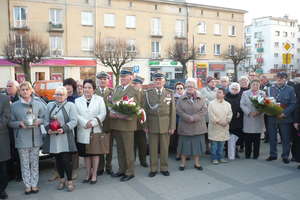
191	145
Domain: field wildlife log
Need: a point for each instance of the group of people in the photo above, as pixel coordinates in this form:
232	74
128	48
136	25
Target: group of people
196	120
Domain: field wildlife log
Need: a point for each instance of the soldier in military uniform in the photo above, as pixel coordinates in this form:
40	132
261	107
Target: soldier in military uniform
159	105
123	127
140	139
104	91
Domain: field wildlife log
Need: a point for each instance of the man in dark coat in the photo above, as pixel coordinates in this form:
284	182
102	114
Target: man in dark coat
4	144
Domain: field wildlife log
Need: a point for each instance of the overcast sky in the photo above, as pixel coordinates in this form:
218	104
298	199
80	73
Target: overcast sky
259	8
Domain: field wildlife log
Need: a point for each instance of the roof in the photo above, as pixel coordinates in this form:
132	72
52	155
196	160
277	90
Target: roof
184	3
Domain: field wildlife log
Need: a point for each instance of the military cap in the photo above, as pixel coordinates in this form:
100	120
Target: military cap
138	79
282	75
158	75
102	75
125	72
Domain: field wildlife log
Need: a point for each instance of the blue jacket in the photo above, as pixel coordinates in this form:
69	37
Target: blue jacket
287	97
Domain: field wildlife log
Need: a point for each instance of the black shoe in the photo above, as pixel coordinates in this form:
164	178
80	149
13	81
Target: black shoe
198	167
188	158
285	160
144	164
271	158
27	192
35	191
93	182
207	152
3	195
126	178
100	172
86	180
152	174
108	171
181	168
117	175
165	173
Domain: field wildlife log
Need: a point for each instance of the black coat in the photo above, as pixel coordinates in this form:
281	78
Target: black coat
236	124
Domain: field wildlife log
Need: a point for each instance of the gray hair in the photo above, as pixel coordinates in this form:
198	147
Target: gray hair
191	80
62	90
14	82
244	78
234	85
224	78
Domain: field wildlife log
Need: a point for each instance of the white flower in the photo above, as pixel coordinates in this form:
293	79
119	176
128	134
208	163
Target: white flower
260	100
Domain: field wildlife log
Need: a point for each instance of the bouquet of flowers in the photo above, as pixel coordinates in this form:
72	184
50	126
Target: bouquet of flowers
267	105
127	107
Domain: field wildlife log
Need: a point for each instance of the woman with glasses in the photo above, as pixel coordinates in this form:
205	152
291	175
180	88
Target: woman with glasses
191	109
60	121
27	115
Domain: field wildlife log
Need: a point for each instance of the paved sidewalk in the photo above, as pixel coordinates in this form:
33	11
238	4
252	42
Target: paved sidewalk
236	180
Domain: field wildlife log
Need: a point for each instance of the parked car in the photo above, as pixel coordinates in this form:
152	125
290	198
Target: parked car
46	88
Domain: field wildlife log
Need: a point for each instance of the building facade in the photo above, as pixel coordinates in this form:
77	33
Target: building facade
150	27
267	39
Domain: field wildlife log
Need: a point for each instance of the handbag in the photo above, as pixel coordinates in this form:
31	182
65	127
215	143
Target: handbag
99	142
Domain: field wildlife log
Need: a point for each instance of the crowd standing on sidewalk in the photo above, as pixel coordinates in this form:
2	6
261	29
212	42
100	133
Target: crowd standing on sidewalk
218	119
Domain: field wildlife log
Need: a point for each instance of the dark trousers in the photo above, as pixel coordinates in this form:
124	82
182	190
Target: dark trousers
140	145
252	141
266	125
285	129
64	164
3	176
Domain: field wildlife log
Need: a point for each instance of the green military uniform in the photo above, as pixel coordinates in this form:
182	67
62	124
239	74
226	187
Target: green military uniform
161	117
123	131
105	160
140	140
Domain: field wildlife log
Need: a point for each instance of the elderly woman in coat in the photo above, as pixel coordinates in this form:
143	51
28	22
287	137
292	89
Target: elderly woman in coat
253	124
61	142
4	144
191	109
27	115
90	109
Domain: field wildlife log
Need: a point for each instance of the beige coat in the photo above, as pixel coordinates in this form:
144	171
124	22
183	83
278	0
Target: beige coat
187	108
219	112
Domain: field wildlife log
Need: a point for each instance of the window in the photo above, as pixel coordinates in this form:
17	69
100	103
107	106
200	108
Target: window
131	46
179	10
231	50
275	66
109	20
109	2
155	49
232	16
285	34
55	16
276	55
56	46
217	49
20	17
155	7
217	29
179	28
110	44
130	4
232	30
277	33
202	12
130	21
155	26
87	44
87	18
276	44
218	14
19	44
258	35
201	27
202	49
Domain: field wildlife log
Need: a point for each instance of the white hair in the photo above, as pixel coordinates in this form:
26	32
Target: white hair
62	90
14	82
244	78
192	80
224	78
234	85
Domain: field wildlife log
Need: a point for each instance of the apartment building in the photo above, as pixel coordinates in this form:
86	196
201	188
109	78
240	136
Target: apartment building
266	37
150	27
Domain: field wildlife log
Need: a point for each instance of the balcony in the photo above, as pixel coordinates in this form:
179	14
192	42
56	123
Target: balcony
20	25
155	55
260	50
55	27
156	34
56	53
180	36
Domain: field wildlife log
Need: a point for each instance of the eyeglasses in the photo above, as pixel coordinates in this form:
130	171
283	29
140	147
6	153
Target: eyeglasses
179	88
58	95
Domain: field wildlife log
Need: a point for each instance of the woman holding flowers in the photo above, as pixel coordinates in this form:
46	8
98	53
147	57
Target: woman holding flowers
253	122
91	110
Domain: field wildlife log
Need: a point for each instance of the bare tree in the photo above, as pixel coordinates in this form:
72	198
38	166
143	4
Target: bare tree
115	54
181	53
236	55
24	50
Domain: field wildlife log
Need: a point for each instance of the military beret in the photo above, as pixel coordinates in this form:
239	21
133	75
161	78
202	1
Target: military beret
138	79
126	72
102	75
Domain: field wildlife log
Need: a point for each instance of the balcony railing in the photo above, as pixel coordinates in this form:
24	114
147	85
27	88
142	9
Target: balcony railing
20	25
56	53
155	55
55	27
156	34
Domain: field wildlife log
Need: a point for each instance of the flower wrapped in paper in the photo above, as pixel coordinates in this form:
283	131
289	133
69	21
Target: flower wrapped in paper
267	105
127	108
